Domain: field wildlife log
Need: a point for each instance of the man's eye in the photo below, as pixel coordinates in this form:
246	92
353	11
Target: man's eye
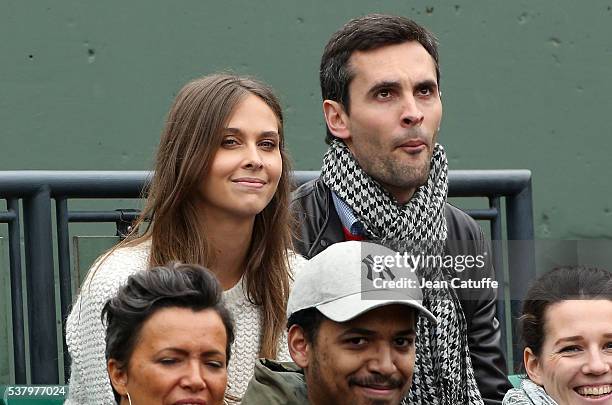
425	91
404	342
383	94
215	364
357	341
168	361
608	346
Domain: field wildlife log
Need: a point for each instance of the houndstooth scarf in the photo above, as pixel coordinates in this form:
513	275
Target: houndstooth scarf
529	394
443	373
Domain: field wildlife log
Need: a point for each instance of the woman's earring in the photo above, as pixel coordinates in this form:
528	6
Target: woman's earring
129	399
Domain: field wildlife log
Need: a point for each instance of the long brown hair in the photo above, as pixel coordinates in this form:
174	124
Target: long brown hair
189	141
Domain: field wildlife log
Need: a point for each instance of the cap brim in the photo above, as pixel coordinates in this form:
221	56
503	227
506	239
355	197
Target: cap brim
351	306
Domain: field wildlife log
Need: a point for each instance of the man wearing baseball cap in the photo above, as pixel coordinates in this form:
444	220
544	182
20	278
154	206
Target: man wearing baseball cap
351	335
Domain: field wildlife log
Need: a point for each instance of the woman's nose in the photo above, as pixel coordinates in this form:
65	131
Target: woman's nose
253	159
597	364
193	378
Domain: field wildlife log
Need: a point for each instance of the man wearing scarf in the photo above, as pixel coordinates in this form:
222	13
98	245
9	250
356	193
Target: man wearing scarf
384	178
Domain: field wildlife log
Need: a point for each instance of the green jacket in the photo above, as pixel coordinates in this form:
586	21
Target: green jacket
276	383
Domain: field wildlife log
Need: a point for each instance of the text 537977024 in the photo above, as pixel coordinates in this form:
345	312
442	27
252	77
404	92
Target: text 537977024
34	392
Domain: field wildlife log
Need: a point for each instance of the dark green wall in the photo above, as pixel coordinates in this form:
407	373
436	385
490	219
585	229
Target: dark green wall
86	84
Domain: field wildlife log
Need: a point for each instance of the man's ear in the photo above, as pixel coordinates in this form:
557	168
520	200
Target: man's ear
532	366
118	377
299	347
336	119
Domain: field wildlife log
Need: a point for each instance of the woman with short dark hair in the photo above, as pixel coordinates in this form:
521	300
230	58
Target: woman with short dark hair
168	337
567	334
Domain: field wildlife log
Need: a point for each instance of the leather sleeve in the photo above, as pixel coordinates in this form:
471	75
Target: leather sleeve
317	225
480	308
484	340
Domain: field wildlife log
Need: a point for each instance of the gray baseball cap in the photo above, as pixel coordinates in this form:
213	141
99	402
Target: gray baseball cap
338	283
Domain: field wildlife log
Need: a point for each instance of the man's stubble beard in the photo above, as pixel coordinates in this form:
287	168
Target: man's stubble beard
314	380
401	176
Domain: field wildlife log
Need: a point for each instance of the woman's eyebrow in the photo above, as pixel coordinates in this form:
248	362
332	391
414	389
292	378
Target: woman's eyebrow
213	353
261	134
568	339
173	350
270	133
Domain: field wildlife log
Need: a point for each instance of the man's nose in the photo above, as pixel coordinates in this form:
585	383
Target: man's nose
383	362
412	114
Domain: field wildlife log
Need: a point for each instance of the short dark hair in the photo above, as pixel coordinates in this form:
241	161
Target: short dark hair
175	285
362	34
560	284
309	320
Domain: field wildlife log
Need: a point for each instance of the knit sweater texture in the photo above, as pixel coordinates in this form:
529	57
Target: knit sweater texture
89	382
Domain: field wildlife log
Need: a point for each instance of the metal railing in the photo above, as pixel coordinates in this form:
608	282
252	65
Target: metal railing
37	189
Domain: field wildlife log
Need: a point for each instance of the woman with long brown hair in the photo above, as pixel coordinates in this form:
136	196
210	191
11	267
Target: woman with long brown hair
219	198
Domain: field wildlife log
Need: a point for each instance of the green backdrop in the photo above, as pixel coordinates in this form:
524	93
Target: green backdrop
86	84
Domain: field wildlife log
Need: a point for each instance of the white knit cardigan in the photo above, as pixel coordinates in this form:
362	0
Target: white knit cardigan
89	382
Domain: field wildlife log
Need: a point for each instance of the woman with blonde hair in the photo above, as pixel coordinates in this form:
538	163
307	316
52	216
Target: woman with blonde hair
218	198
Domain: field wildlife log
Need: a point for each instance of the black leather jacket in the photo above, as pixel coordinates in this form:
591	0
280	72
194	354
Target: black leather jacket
320	227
